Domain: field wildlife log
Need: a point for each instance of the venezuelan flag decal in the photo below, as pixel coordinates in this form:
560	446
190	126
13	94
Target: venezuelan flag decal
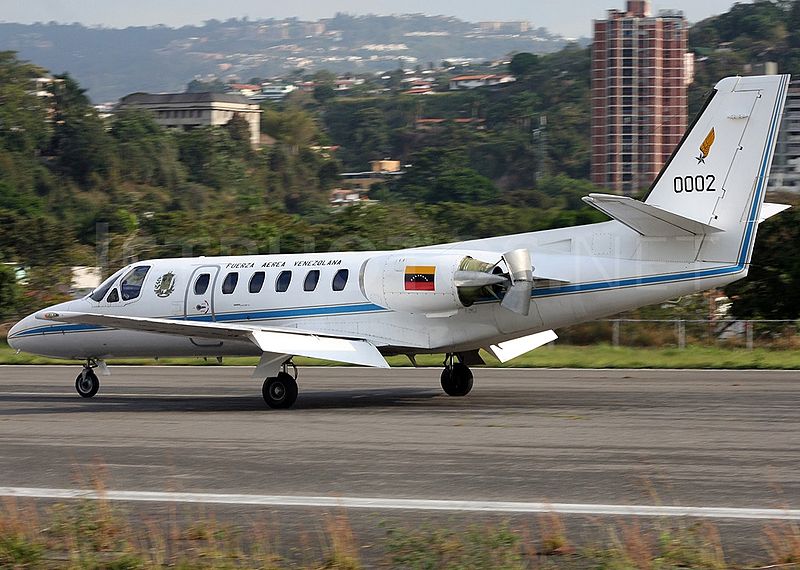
420	278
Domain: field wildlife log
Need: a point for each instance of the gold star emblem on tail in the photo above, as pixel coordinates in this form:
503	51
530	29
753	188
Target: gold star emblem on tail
705	148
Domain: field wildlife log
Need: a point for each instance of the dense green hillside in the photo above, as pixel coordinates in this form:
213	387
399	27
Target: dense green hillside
70	183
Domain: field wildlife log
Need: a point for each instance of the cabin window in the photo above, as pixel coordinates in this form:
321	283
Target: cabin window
131	285
256	282
283	280
113	297
312	278
229	285
340	279
201	285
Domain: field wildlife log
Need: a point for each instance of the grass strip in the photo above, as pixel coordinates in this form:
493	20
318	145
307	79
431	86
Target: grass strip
556	356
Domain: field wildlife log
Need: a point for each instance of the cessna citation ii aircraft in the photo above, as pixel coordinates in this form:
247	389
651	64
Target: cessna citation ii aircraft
694	231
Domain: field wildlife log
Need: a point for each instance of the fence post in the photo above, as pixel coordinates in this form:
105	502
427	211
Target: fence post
615	333
680	330
748	334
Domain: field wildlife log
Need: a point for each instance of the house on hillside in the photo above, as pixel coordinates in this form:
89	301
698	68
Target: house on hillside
463	82
191	110
273	92
246	89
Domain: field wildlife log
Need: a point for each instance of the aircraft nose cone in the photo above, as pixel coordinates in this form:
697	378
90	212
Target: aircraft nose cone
14	333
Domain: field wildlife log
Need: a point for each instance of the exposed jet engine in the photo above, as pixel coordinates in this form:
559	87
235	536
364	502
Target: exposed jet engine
439	284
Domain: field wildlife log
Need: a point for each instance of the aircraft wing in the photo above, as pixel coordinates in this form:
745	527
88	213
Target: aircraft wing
275	340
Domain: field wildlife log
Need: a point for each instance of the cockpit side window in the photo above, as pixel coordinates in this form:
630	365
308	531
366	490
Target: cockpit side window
98	294
113	297
131	284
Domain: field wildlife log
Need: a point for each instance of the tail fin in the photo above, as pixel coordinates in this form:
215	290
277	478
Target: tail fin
718	174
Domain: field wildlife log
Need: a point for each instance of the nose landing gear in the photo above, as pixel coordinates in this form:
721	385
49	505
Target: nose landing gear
280	392
456	377
87	384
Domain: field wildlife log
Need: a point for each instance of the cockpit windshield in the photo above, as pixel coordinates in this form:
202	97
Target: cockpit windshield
100	292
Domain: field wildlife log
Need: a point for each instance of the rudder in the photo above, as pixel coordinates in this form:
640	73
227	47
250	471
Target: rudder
718	173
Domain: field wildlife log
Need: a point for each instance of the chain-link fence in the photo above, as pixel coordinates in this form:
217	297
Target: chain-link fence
679	332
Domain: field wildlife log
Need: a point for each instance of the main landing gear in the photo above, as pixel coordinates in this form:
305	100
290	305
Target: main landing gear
87	383
456	377
280	392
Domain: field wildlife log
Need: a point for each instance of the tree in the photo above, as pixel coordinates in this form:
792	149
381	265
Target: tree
324	93
523	64
370	136
9	292
239	131
197	86
80	141
772	288
294	127
23	115
463	185
146	152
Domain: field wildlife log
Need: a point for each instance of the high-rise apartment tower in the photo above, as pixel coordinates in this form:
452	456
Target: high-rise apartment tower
640	73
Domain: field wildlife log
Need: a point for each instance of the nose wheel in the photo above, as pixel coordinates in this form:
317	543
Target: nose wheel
87	384
456	378
280	392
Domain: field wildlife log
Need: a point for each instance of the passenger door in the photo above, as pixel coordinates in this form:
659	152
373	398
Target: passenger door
199	300
199	303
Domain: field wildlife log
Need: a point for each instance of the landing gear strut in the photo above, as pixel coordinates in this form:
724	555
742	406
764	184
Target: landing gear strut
456	377
87	384
280	392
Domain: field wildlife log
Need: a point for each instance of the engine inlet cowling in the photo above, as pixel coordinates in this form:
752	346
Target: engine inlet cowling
430	283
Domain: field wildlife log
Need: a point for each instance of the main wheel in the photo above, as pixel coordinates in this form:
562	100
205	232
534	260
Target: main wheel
280	391
87	383
457	379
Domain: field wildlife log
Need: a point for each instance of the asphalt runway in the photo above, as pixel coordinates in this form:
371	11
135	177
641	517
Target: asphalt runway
682	438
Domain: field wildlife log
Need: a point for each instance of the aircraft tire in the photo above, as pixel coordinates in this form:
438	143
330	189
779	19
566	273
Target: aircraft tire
87	384
457	380
280	392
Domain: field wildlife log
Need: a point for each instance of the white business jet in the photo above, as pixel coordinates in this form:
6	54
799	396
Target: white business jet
694	231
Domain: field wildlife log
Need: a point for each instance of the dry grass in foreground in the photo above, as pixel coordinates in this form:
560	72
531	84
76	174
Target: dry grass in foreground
99	534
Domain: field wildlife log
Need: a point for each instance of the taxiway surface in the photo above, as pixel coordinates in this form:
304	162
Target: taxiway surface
688	438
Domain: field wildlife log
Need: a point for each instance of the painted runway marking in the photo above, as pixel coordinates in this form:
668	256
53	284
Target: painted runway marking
110	394
405	504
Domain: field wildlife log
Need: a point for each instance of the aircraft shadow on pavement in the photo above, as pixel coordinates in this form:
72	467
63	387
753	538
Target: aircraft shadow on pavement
310	400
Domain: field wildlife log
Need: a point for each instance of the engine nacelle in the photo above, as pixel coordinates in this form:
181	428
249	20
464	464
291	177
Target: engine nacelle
421	282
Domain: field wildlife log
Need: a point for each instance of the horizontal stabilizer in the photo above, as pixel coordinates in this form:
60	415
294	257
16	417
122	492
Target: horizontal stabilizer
276	340
769	209
505	351
646	219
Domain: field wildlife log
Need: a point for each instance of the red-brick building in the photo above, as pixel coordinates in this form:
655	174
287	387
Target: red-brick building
640	72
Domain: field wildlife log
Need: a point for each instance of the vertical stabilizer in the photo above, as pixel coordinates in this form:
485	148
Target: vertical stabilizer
718	174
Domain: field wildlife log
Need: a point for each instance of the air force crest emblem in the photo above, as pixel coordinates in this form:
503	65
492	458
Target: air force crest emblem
165	285
705	148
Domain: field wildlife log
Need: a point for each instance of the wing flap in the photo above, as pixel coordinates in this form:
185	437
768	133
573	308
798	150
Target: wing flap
510	349
275	340
352	351
646	219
